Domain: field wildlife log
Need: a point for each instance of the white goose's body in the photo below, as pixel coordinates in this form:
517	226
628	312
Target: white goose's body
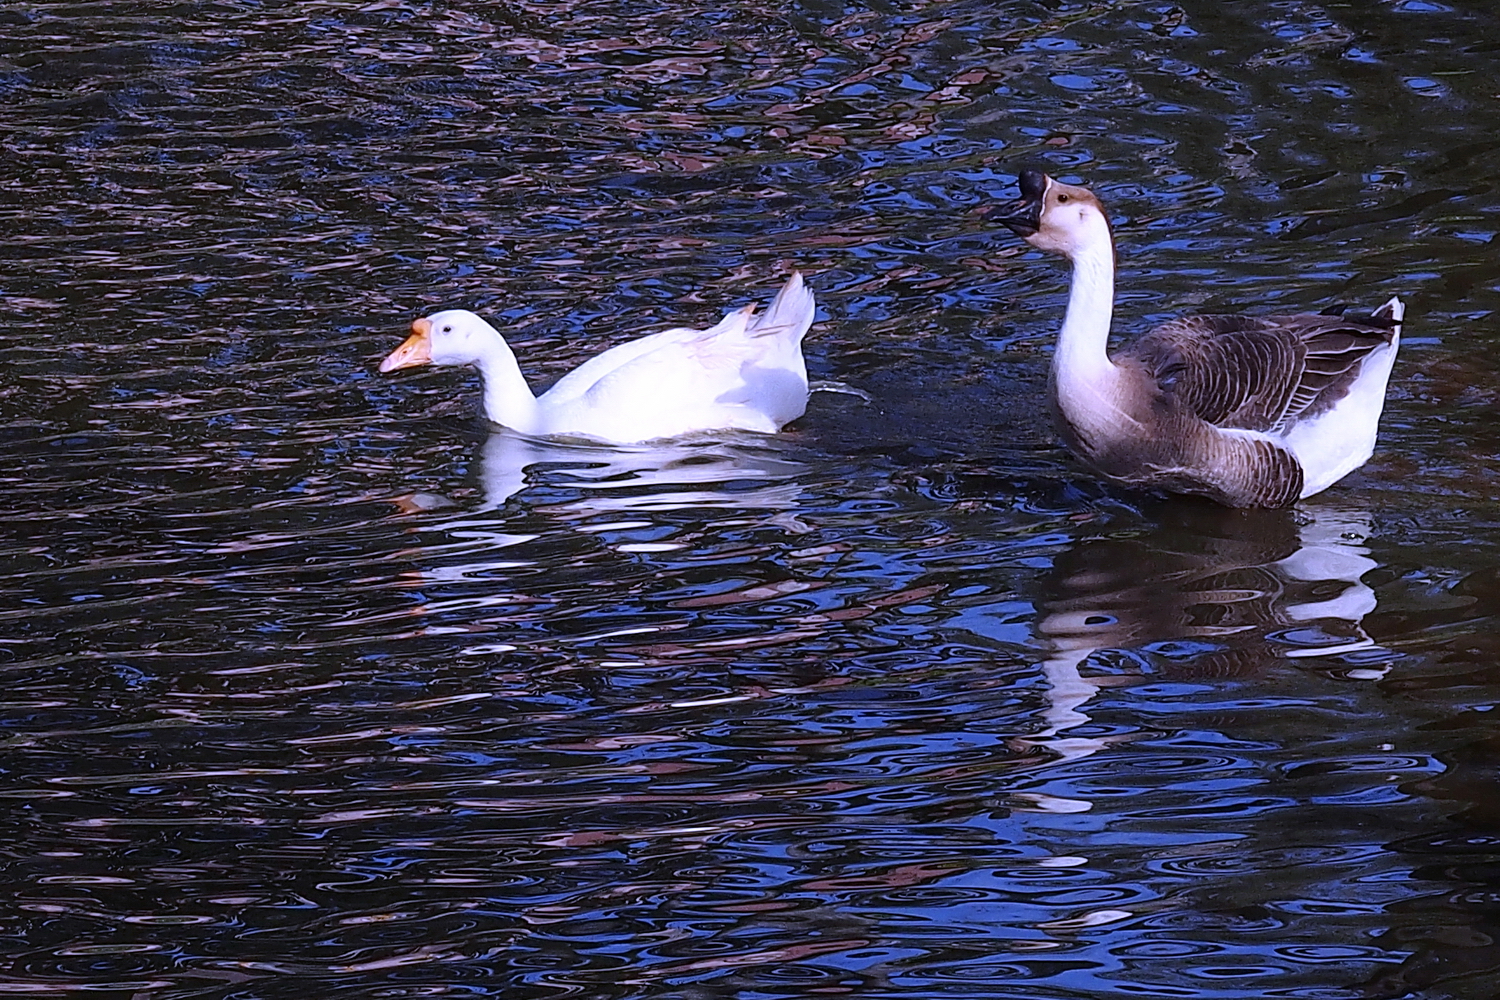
1253	411
745	373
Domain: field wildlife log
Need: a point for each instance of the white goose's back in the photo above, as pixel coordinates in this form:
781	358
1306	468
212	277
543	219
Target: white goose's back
583	378
744	373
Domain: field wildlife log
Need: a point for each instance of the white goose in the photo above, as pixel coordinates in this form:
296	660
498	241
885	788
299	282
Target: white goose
745	373
1253	411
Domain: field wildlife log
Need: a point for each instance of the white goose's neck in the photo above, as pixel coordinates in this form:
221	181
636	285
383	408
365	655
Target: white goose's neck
508	400
1083	377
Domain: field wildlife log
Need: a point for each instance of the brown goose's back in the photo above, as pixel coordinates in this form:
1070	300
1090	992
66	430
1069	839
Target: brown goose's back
1215	396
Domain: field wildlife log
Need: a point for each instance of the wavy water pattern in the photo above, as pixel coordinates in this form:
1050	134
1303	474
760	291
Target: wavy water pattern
314	684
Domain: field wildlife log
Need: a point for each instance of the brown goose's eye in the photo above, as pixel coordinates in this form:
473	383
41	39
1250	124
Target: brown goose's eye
1062	199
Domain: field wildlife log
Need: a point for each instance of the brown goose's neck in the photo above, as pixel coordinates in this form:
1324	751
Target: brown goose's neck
1085	382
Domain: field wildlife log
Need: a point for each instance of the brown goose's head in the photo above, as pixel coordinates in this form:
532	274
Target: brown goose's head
1054	216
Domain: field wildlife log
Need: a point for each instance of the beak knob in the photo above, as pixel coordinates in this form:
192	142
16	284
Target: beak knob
1024	216
1033	184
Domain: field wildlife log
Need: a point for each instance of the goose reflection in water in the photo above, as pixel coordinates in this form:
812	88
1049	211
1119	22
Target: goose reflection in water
1212	591
649	477
588	486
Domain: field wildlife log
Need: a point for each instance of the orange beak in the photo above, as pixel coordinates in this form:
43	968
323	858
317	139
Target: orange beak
414	350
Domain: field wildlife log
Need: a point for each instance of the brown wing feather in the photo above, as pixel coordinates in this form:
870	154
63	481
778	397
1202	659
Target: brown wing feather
1239	470
1257	373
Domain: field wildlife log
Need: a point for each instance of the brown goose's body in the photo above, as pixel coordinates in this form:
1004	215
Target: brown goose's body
1252	411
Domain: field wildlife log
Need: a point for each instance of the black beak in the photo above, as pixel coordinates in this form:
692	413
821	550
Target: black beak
1024	216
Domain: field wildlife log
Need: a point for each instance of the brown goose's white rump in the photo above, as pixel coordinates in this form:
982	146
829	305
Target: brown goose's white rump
1253	411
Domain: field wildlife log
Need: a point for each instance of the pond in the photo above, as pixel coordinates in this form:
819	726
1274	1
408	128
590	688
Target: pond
317	685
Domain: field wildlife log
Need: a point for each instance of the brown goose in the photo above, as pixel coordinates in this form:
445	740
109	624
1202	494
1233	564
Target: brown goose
1252	411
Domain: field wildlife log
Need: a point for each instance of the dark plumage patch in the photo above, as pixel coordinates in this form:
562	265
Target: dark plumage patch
1206	377
1257	373
1235	470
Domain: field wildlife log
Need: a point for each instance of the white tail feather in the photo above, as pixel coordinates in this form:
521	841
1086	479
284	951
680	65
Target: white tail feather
793	309
1394	308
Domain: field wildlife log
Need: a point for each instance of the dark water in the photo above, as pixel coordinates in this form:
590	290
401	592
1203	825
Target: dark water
314	687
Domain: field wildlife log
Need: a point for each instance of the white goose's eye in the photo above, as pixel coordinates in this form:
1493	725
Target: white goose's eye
447	328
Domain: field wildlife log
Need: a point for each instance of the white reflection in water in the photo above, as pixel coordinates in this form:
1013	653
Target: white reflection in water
1333	550
664	476
1212	577
604	492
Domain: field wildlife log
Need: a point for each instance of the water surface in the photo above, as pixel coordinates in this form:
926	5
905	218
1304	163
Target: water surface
317	685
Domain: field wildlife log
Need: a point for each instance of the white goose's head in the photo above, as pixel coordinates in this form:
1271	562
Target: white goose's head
1055	217
451	337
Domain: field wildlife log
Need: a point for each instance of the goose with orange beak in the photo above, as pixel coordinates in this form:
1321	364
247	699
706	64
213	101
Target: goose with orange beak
745	373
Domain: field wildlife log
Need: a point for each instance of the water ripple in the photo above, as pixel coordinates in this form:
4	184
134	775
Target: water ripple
314	683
